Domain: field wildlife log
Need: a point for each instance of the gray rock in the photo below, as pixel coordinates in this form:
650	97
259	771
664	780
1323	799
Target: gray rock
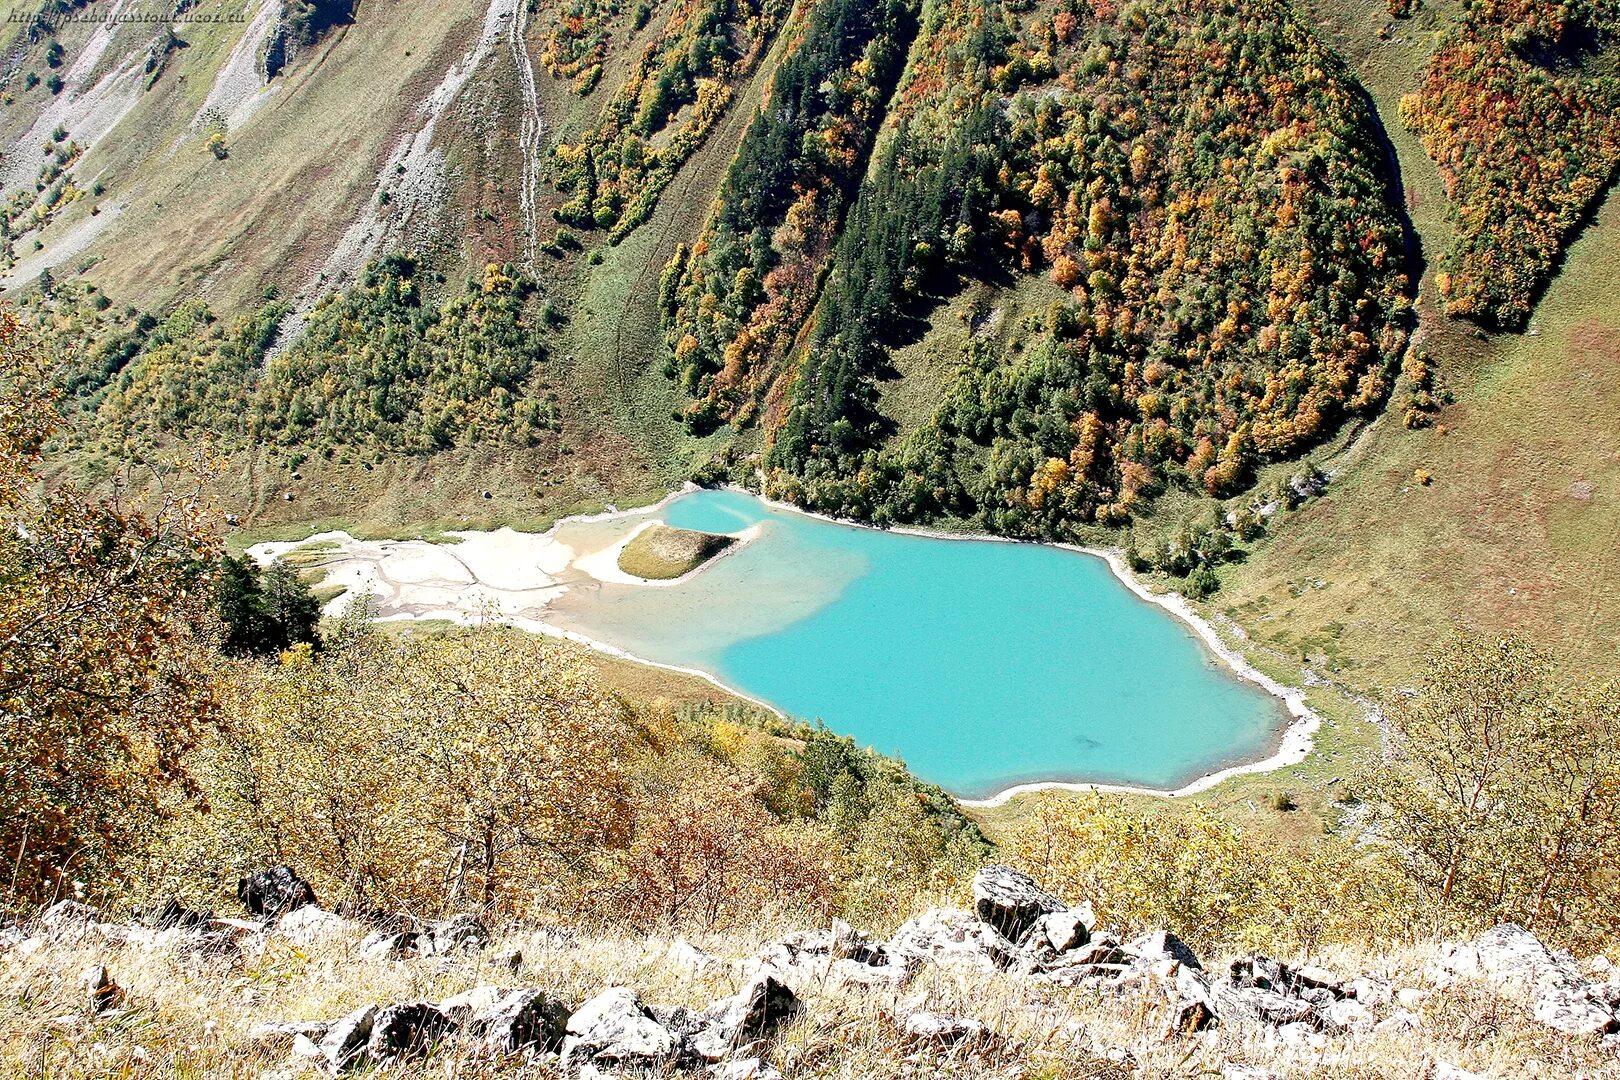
462	1007
1162	947
945	935
1575	1011
1349	1015
1398	1021
896	974
1510	956
306	1048
1010	901
754	1012
615	1027
1370	991
1301	1036
1606	992
407	1029
940	1030
849	943
459	933
381	945
684	954
1259	1005
68	918
273	892
1192	1008
1061	931
309	924
518	1019
344	1043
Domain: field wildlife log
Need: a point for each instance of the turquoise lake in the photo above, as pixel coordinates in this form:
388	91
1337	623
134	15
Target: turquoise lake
982	664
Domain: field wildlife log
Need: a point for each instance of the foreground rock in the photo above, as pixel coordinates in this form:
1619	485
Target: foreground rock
1010	902
1514	960
271	893
616	1028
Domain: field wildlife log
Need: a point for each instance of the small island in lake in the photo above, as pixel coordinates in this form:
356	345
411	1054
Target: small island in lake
660	553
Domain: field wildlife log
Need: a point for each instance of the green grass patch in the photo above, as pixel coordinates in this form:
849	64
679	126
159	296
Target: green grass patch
660	553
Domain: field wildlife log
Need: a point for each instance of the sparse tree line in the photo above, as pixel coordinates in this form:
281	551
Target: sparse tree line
380	365
680	88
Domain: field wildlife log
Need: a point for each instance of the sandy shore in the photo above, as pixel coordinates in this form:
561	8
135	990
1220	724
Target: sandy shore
512	577
505	574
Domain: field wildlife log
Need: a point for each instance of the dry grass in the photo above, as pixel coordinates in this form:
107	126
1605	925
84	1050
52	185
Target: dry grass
193	1017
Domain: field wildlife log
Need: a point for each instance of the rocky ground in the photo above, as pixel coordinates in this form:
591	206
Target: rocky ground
1022	985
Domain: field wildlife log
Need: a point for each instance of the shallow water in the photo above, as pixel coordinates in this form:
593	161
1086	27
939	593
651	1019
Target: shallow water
982	664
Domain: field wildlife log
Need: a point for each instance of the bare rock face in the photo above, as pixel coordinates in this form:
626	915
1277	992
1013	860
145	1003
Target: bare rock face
1010	901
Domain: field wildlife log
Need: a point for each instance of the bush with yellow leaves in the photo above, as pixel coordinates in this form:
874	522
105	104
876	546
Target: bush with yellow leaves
1207	880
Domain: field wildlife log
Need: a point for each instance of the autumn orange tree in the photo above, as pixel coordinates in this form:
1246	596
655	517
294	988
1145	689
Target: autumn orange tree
102	677
1518	110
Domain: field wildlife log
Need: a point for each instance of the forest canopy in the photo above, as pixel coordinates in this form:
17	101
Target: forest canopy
1204	183
1521	116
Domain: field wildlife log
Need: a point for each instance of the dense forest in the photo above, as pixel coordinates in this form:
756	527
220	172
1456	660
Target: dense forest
1523	117
681	86
733	303
1204	182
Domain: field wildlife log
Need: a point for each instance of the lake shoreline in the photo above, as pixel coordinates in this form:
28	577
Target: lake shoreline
1295	740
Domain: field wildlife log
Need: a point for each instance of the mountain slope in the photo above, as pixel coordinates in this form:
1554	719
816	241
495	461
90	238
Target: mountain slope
1023	267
